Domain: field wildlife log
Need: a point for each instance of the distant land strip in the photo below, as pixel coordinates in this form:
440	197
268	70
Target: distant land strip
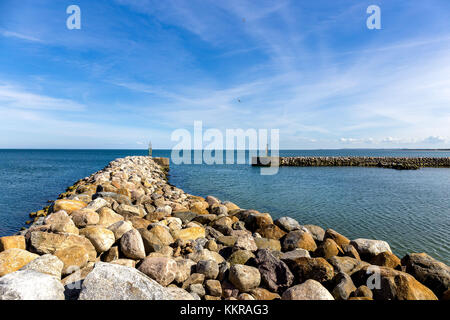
400	163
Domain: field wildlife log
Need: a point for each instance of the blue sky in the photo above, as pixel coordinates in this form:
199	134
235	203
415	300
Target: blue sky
140	69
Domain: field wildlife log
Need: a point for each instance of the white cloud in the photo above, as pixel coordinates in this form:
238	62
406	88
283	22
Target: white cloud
14	97
11	34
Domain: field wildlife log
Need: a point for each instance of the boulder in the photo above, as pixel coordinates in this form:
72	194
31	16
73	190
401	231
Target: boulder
230	206
211	200
73	258
362	291
311	268
309	290
48	264
60	222
180	294
288	224
368	248
343	286
123	283
191	233
161	269
12	242
264	243
97	204
271	231
205	254
185	217
299	239
193	279
275	274
209	268
13	259
346	264
184	269
128	211
120	228
386	259
245	242
294	254
240	257
101	238
197	289
85	217
213	287
125	262
390	284
317	232
264	294
108	217
244	277
336	237
430	272
43	242
138	222
350	251
30	285
68	205
327	249
132	245
156	237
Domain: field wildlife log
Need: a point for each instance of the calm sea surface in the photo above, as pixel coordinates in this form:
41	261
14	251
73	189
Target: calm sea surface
409	209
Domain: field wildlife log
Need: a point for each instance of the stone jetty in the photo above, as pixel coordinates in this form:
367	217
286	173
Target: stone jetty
400	163
125	233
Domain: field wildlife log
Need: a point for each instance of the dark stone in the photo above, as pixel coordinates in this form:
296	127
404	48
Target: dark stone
275	274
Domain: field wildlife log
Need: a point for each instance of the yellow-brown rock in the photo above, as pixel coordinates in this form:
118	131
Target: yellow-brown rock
108	217
264	294
191	233
68	205
271	231
101	238
13	259
199	207
11	242
44	242
74	258
336	237
386	259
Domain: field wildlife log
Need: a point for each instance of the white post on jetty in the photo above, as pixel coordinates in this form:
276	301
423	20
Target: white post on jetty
150	149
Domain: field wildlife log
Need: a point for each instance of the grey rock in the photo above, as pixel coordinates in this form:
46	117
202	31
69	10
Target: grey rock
48	264
115	282
209	268
368	248
30	285
288	224
309	290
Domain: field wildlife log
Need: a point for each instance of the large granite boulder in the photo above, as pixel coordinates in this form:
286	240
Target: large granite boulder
368	248
43	242
309	290
13	259
275	274
115	282
30	285
430	272
390	284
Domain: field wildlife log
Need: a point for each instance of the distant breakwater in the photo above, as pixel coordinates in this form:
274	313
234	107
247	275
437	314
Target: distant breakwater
399	163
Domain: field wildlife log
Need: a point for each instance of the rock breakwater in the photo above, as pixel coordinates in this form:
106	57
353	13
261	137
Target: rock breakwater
125	233
400	163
